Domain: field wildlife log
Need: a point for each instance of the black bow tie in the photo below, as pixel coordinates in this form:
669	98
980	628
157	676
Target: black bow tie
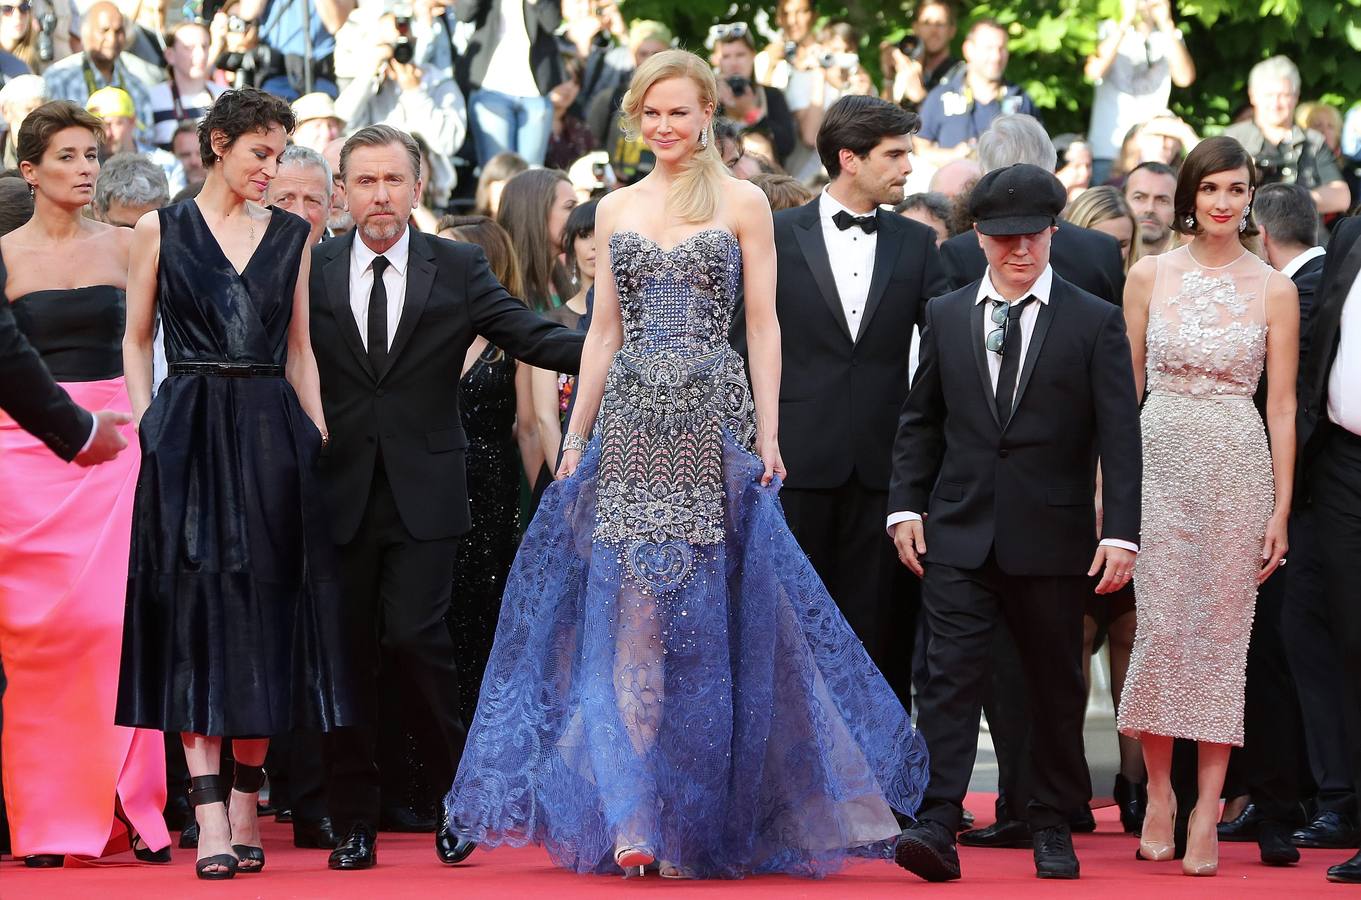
868	224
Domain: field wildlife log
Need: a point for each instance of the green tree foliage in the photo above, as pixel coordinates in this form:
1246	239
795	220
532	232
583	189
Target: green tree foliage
1050	40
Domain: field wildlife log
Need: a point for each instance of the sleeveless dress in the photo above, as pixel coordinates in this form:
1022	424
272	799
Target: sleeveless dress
668	670
63	573
233	602
1208	492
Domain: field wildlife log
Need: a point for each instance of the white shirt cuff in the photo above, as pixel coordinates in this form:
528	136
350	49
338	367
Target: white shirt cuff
94	427
1123	545
897	517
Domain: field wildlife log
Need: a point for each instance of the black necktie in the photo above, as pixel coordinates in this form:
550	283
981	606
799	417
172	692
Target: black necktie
868	224
378	317
1011	359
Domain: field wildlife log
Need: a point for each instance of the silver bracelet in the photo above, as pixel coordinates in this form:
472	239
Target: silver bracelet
574	441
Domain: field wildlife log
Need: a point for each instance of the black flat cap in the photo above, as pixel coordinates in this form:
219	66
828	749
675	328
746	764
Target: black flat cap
1019	199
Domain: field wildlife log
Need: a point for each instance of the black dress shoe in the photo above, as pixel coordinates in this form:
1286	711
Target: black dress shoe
284	816
1329	831
927	850
45	861
1054	856
1242	828
314	835
1273	840
1348	872
189	836
359	850
1009	834
1082	821
450	848
966	820
1132	801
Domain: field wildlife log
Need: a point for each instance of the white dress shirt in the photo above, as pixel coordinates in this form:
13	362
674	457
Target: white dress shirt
1344	380
1041	291
394	279
1290	268
851	253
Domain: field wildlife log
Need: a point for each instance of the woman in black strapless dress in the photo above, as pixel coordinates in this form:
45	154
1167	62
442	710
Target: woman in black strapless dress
232	587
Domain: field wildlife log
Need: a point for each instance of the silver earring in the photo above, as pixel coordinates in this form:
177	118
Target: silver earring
1190	222
32	192
1243	223
704	138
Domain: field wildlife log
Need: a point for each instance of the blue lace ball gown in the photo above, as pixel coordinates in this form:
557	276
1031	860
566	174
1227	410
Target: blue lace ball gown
668	670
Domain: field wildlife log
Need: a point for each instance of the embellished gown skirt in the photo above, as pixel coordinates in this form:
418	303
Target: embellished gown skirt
1207	495
669	672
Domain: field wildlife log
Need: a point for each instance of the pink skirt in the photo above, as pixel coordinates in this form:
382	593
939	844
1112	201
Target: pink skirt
64	533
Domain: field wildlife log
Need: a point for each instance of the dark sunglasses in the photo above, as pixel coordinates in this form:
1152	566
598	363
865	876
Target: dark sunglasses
8	9
997	336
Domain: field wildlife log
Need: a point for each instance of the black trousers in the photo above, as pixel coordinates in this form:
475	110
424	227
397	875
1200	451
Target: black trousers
1008	712
1315	667
963	610
842	531
1336	494
297	765
397	592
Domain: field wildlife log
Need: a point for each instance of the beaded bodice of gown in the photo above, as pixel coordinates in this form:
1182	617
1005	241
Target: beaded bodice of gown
1207	326
674	390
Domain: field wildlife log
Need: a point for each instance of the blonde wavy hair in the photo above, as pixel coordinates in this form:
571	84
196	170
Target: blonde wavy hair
1101	204
694	195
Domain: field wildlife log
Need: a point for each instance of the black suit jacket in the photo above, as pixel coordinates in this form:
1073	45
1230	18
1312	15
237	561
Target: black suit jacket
1341	267
1306	280
410	413
1085	258
30	395
1025	491
541	21
839	399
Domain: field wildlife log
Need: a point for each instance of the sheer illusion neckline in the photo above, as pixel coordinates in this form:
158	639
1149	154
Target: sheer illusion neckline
1208	268
676	246
255	251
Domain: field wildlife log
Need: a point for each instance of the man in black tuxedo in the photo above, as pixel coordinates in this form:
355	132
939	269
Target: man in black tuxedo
392	315
1329	474
1025	381
846	334
1085	258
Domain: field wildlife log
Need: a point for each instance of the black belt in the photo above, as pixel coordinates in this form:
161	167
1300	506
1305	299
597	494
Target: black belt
227	370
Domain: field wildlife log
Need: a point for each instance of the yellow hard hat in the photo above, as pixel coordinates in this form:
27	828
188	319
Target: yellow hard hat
109	102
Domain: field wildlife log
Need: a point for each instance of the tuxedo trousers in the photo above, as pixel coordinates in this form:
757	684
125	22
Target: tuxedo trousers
842	531
397	592
963	610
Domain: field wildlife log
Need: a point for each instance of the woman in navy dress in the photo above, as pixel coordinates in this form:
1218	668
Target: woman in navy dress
232	584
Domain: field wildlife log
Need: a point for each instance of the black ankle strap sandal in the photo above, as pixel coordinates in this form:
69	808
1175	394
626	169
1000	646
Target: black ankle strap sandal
249	780
205	790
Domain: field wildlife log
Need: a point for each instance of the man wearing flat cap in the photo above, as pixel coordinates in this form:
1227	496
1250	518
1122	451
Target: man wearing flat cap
1025	383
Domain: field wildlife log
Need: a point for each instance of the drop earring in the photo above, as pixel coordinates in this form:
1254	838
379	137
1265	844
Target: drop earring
1190	222
1243	222
704	138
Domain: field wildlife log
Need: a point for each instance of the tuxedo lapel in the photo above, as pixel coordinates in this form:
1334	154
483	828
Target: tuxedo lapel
420	278
980	356
1328	309
888	248
336	273
808	232
1042	321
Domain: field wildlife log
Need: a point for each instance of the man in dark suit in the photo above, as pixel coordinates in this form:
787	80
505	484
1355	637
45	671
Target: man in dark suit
846	331
392	315
1025	382
1329	473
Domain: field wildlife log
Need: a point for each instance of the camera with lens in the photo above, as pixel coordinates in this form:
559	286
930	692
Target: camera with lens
1274	170
738	85
847	61
404	49
237	25
47	26
911	47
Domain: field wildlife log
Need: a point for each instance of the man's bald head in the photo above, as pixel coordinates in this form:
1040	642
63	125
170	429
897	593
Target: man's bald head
103	33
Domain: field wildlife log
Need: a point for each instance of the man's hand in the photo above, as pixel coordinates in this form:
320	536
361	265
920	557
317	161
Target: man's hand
910	540
108	441
1116	565
407	75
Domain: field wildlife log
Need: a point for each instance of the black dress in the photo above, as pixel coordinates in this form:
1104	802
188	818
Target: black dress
233	598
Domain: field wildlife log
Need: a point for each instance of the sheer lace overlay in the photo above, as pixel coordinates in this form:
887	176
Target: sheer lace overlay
669	672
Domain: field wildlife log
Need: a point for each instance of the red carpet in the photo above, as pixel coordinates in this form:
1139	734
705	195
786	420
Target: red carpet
407	869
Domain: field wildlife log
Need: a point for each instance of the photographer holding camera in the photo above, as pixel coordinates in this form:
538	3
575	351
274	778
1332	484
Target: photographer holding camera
421	100
835	73
753	106
1283	151
295	54
921	59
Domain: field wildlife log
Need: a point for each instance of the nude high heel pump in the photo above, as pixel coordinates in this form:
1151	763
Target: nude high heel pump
1201	864
1152	846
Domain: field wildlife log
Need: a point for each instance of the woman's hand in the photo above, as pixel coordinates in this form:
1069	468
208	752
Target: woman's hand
1274	547
568	467
769	451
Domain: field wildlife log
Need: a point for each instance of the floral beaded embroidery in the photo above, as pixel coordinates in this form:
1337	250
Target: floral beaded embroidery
1205	342
672	391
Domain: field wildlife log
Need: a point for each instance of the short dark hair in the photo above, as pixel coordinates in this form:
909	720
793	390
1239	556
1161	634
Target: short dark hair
1288	212
580	224
858	123
934	202
40	125
239	112
381	136
1157	168
16	203
943	4
1211	156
